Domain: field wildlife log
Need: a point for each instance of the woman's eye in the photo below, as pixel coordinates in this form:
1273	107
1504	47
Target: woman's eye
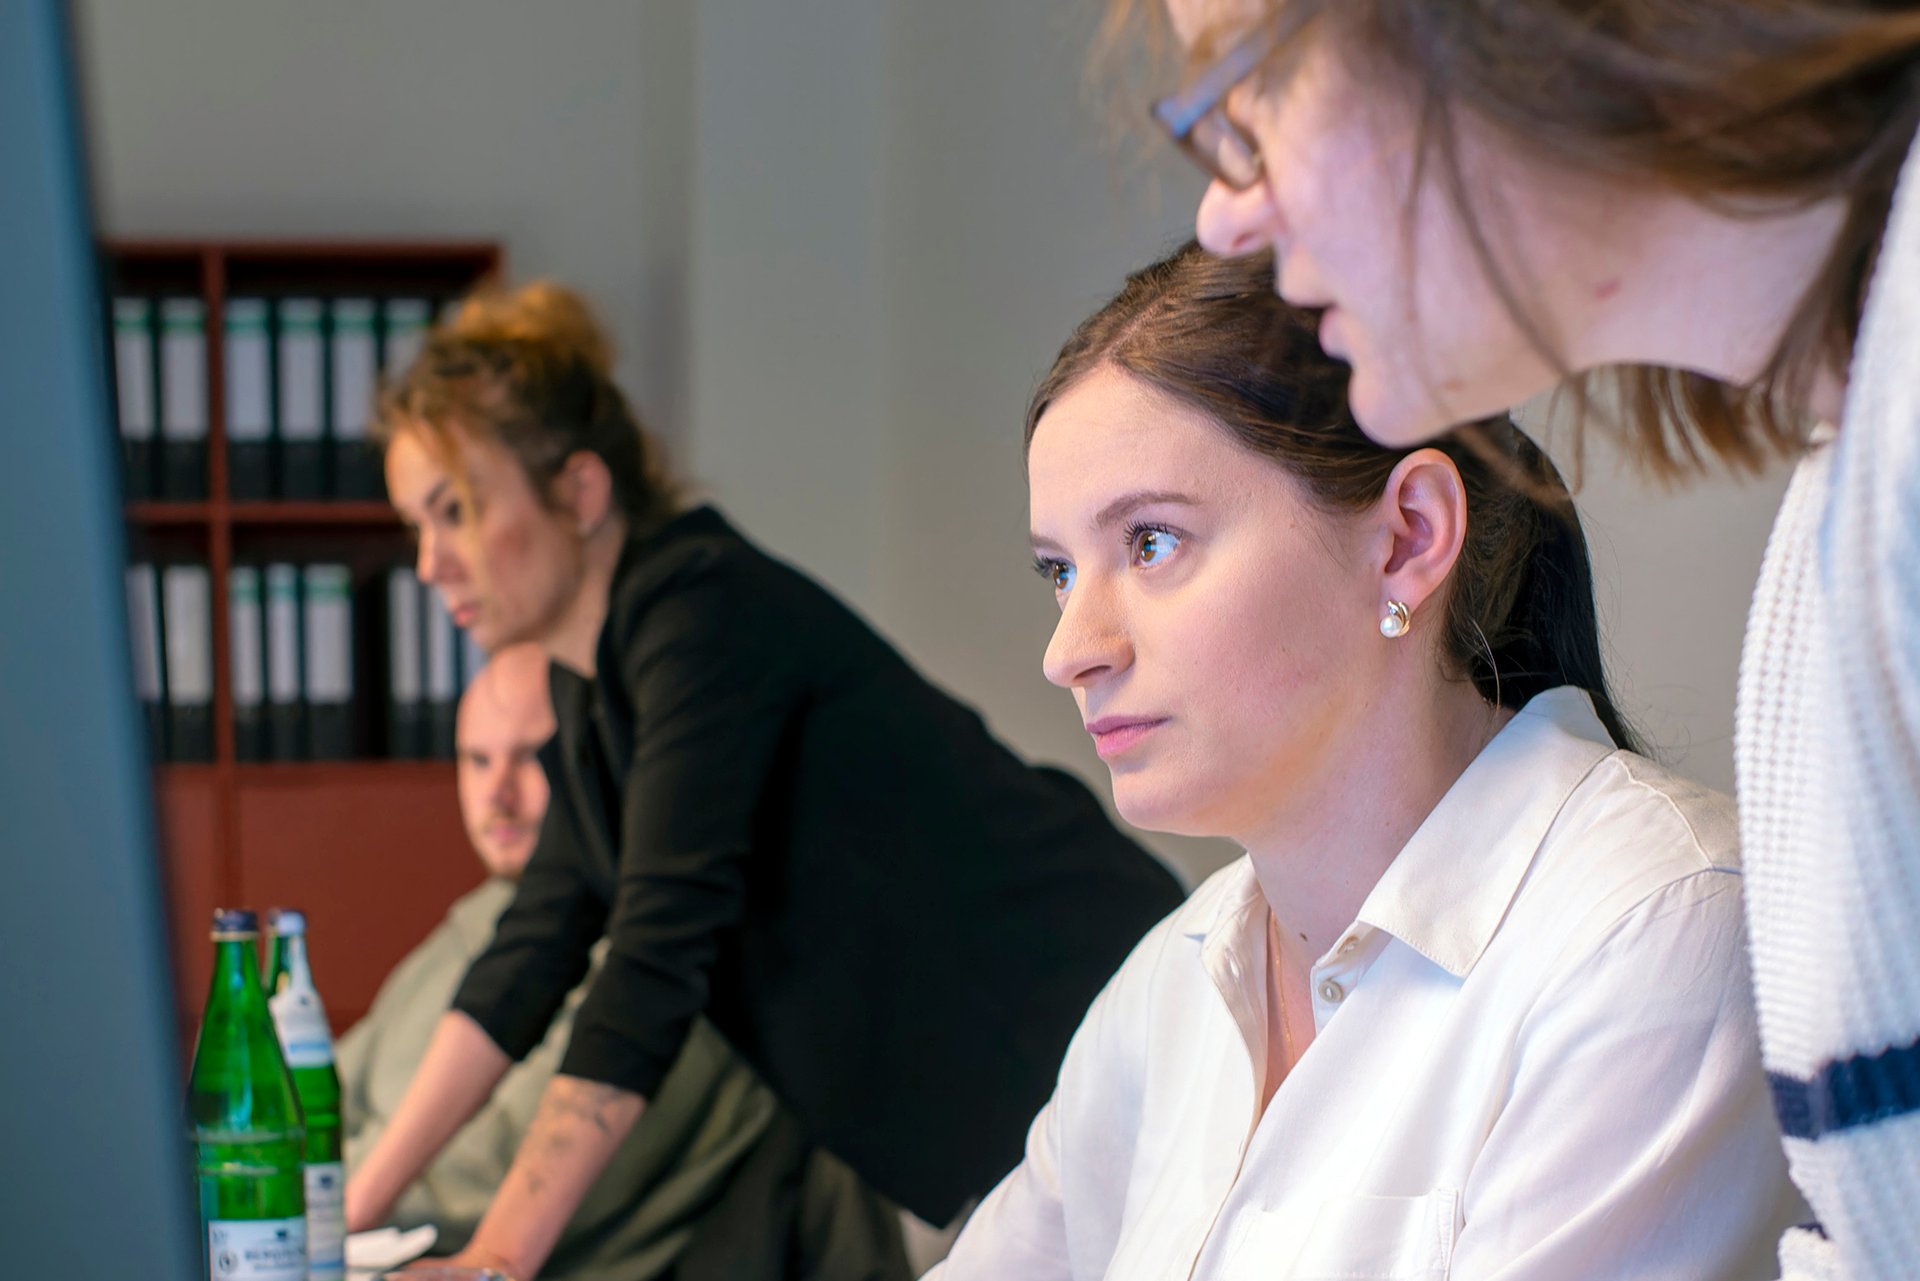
452	512
1151	546
1058	573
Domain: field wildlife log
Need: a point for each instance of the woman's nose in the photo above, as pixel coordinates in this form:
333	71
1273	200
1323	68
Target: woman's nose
432	563
1233	222
1089	643
423	557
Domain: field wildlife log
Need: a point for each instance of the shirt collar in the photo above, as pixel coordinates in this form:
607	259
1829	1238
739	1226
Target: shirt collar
1449	888
1446	892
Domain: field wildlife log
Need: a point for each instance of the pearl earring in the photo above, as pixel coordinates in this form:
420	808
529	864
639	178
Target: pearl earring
1396	620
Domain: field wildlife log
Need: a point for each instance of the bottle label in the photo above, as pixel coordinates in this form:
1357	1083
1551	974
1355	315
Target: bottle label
257	1249
326	1221
302	1024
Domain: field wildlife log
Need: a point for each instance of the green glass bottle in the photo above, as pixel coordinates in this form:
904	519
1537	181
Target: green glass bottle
308	1045
247	1134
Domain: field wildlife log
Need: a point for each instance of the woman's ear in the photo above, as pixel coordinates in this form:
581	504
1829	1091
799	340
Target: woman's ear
585	490
1423	515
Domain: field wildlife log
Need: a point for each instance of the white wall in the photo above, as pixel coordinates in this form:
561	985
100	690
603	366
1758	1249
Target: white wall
1009	223
839	241
787	315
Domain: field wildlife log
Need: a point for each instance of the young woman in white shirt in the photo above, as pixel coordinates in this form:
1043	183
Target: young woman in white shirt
1475	1002
1709	209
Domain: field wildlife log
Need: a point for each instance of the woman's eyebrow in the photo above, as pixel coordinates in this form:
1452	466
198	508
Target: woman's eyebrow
1128	502
1114	511
1044	546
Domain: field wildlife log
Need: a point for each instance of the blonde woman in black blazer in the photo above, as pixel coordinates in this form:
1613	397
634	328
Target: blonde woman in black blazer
770	816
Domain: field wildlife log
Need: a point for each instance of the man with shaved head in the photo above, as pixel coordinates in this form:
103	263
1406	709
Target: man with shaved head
716	1184
505	717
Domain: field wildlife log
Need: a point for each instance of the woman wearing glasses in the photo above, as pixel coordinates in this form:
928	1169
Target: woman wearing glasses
1711	205
1474	1004
768	815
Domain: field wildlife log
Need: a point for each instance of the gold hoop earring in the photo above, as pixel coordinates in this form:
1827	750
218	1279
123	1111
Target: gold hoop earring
1396	621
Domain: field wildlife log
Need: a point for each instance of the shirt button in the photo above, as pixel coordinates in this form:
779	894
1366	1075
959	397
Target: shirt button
1332	993
1346	948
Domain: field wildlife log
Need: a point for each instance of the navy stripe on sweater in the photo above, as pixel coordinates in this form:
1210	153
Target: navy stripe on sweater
1849	1092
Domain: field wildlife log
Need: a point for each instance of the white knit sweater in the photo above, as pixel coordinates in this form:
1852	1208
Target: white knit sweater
1828	758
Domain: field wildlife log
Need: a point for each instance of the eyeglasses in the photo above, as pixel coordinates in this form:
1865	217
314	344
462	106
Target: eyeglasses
1196	117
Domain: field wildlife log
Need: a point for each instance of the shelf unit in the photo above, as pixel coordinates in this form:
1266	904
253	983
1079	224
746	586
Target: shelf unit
372	850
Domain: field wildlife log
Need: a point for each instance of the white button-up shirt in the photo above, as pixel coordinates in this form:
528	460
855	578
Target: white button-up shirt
1535	1058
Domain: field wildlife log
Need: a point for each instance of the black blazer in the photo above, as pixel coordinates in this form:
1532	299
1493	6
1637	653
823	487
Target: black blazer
778	823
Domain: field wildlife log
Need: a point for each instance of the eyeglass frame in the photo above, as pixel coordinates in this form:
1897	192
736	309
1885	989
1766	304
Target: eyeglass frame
1181	112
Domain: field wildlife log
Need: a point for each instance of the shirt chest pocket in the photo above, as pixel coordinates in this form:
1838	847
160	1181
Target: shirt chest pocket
1355	1238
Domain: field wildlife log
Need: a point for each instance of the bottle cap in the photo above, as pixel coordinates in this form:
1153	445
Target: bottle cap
286	920
235	920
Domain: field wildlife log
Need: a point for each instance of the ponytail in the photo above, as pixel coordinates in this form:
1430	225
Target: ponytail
1549	630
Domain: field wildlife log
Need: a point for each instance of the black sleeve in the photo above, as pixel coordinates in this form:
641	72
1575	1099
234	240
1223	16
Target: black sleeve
712	682
544	940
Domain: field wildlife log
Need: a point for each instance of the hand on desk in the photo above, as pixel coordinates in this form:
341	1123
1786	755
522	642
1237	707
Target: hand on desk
468	1258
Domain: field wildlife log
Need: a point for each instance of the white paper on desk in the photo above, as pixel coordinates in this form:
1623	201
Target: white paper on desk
371	1253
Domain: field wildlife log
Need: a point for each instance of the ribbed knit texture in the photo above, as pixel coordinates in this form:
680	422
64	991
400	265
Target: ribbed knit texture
1808	1256
1828	754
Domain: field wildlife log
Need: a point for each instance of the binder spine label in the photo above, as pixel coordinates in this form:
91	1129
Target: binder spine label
249	659
353	368
187	601
403	637
183	369
442	650
133	366
301	358
248	373
283	633
407	320
329	601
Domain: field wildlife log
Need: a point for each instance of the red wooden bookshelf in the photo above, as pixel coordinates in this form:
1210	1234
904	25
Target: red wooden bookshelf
372	850
290	513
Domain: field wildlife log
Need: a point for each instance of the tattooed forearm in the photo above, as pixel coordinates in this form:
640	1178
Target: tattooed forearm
573	1113
575	1131
589	1101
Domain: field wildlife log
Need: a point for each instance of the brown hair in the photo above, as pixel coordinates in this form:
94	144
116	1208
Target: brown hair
1211	333
531	370
1730	102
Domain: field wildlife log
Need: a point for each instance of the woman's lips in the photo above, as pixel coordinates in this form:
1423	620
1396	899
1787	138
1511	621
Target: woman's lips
1113	735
